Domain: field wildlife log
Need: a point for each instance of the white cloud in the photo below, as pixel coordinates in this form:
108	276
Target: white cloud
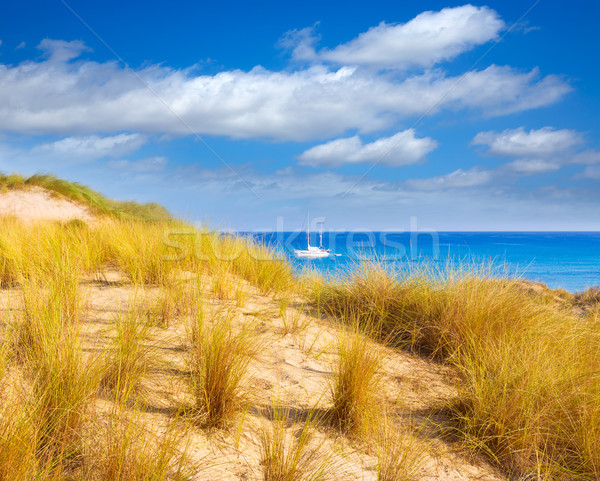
589	156
300	41
62	51
91	147
150	164
429	38
517	142
533	166
59	96
590	172
538	151
400	149
455	180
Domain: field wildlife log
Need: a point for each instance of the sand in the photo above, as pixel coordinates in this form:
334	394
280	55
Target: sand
295	368
37	204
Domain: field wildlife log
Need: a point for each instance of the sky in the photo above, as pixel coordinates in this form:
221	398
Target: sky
371	115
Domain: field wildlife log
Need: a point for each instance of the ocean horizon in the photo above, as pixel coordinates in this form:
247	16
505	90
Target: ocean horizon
566	260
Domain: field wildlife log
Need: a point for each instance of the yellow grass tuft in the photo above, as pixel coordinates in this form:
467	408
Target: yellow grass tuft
219	356
355	381
129	359
289	450
400	454
125	450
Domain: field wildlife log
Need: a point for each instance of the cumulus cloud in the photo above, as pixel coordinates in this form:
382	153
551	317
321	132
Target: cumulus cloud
455	180
537	151
66	97
91	147
517	142
429	38
400	149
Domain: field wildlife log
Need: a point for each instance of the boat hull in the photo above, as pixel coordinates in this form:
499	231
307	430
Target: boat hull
312	254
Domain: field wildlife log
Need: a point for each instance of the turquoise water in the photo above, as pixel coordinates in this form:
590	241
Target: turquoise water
568	260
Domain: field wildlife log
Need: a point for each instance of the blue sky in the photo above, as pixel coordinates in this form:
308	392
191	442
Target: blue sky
464	116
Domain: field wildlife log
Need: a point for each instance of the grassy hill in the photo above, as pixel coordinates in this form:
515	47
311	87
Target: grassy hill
96	202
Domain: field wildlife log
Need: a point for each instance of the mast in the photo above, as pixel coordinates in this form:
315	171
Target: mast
321	237
308	230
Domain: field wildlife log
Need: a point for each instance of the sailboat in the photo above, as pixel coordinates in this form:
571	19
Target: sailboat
312	252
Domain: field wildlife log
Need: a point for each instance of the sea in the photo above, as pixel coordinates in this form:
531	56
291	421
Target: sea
567	260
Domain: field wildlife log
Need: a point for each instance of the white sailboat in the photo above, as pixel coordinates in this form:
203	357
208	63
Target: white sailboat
312	252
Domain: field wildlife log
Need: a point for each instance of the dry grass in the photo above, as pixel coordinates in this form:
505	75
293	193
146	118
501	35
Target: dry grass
18	433
129	359
289	451
530	396
124	450
355	381
137	249
295	320
400	454
50	384
219	356
61	381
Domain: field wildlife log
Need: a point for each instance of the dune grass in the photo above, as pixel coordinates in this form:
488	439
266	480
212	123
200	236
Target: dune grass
46	432
18	431
129	358
61	382
530	392
139	251
123	450
53	392
219	356
400	454
49	385
355	381
289	450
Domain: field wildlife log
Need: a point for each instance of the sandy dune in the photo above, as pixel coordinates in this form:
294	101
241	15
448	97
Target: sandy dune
295	367
37	204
